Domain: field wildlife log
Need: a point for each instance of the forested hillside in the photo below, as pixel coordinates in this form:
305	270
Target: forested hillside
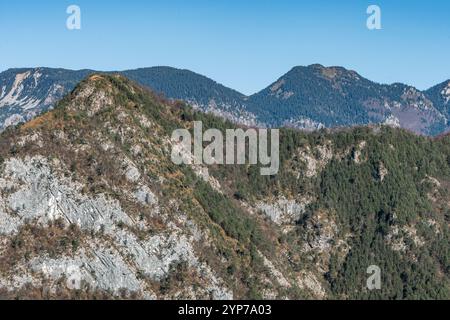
92	206
307	98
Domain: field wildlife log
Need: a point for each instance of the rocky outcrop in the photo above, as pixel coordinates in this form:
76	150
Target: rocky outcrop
32	192
283	211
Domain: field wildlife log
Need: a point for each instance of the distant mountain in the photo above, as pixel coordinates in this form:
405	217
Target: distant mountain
185	85
334	96
440	96
306	98
25	93
199	91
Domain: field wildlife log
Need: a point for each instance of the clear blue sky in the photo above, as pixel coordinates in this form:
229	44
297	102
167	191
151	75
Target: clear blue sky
243	44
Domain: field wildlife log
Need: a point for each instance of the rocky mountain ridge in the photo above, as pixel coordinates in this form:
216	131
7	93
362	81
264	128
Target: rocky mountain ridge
91	206
307	98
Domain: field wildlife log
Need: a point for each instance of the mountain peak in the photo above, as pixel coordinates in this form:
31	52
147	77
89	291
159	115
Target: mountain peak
335	96
97	90
330	72
316	66
100	91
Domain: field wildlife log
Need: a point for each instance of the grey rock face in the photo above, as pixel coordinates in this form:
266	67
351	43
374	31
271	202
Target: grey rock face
42	196
100	268
283	211
32	191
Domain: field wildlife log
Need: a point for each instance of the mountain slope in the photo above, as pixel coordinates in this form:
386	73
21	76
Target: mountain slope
333	96
26	93
440	96
29	92
102	211
199	91
306	98
92	206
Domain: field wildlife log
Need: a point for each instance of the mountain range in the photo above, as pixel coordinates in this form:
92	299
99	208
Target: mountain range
92	207
307	98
